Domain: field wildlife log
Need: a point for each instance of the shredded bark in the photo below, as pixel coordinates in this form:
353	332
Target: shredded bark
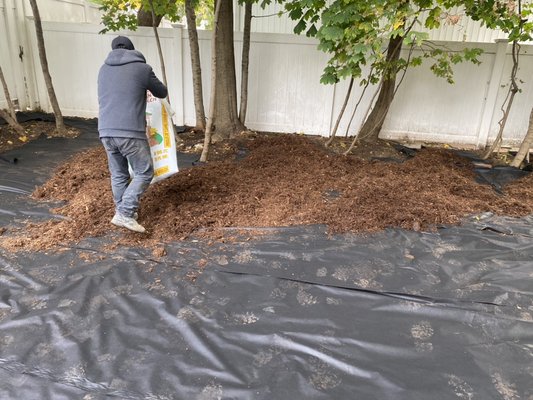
283	180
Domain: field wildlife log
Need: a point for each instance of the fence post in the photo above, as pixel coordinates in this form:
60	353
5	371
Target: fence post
177	62
490	107
28	91
17	52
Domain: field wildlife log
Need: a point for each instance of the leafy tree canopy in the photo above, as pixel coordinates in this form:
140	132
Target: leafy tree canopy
122	14
510	16
356	34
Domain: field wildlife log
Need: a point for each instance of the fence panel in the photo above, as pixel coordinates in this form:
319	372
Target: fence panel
84	11
285	94
5	56
284	90
518	121
11	55
76	52
427	108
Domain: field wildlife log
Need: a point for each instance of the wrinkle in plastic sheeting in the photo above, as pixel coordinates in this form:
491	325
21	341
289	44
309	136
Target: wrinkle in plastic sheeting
293	314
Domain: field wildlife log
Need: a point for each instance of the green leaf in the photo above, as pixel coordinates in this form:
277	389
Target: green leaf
433	18
312	31
332	32
416	61
361	48
456	58
295	13
300	26
329	76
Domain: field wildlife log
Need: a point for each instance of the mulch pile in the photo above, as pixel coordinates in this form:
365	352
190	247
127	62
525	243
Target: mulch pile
283	180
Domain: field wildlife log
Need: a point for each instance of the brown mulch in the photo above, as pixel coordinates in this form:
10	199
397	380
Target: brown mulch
284	180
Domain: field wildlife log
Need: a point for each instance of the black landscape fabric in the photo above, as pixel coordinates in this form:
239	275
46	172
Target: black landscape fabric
292	314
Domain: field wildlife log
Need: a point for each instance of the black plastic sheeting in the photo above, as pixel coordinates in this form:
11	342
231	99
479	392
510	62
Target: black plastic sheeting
293	314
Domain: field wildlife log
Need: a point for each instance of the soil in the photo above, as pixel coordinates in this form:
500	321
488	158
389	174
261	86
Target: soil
272	180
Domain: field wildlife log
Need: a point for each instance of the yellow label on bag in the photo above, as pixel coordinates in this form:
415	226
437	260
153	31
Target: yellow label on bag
166	133
161	171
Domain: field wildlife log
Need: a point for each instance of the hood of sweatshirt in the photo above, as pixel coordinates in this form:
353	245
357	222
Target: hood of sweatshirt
123	56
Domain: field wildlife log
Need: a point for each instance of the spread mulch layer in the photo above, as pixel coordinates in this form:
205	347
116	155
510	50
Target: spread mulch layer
271	181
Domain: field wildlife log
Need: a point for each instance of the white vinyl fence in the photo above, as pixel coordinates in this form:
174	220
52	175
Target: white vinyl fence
284	90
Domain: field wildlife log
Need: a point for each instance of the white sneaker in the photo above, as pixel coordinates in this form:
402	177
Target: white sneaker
127	222
135	217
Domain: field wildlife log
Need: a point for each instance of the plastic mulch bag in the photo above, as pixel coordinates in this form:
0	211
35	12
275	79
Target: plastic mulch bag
160	133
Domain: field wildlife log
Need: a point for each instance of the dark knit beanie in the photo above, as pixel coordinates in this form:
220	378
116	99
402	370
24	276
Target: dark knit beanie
122	42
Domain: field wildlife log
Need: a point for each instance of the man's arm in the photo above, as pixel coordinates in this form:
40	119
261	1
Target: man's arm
157	87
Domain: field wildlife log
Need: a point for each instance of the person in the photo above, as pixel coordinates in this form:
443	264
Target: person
123	81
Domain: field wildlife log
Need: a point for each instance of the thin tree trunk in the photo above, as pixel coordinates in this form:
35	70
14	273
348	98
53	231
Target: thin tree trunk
10	106
162	61
525	146
372	126
359	102
195	65
60	125
212	101
226	112
159	50
368	110
10	116
12	122
341	113
245	61
513	90
374	96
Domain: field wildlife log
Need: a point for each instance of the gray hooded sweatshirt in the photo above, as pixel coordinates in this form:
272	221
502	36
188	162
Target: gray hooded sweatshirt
122	84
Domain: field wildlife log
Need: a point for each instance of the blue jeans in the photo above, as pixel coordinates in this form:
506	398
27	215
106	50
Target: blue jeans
120	151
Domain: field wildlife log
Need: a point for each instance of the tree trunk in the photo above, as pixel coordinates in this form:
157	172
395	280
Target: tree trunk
12	122
368	110
226	117
214	62
10	116
162	62
195	65
10	106
525	146
372	126
359	102
158	42
245	61
60	125
513	90
144	18
341	113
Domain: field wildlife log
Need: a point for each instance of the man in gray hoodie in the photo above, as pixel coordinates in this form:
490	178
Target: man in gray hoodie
122	84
